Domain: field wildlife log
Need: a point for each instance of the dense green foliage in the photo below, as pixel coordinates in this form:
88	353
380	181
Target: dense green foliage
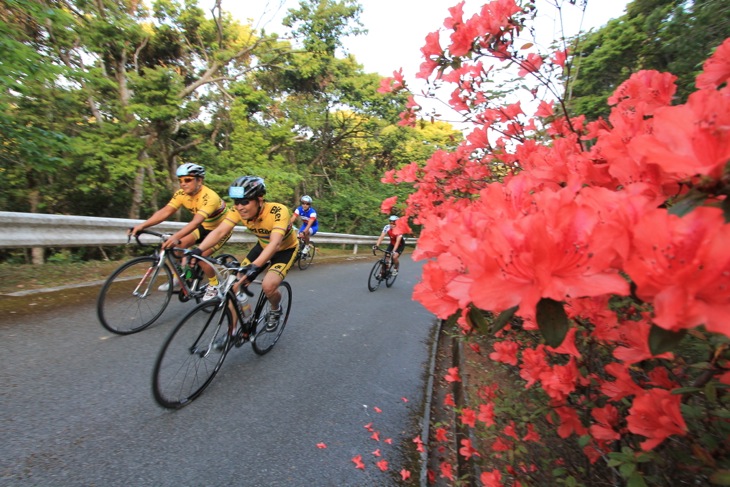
101	101
673	36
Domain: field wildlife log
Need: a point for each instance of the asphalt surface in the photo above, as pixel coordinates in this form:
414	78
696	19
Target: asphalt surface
347	378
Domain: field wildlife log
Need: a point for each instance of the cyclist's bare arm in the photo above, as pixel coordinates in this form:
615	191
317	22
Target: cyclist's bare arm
158	217
215	236
176	238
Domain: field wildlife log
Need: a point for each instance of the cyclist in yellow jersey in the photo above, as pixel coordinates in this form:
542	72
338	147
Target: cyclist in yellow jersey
208	211
277	241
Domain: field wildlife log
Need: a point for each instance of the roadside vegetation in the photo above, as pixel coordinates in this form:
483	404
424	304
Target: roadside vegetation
576	238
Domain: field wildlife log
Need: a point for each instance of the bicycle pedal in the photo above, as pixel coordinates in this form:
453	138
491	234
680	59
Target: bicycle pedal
240	338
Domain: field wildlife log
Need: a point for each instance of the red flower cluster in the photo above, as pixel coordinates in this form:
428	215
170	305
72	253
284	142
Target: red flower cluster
510	221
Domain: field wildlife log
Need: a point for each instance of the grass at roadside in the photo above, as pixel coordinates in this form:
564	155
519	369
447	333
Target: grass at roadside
23	277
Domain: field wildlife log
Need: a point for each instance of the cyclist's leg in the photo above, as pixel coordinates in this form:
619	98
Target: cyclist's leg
305	233
393	258
186	242
396	255
281	262
198	235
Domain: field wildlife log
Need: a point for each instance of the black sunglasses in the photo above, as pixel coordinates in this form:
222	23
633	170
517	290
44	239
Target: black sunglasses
241	201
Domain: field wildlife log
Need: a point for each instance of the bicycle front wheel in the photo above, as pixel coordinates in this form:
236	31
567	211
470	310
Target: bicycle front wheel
305	260
376	276
192	355
130	299
390	278
265	340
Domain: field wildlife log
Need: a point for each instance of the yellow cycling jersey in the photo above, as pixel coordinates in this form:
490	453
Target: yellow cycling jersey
273	218
205	202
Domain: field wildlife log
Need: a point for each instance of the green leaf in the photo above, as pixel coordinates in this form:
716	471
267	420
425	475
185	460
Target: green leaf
636	480
477	317
685	390
720	477
451	320
627	470
552	321
726	209
711	393
691	201
504	318
661	340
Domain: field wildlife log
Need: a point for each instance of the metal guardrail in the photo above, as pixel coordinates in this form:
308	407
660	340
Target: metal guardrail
27	230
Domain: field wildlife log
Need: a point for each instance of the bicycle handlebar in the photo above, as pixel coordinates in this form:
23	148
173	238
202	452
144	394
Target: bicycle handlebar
386	252
162	236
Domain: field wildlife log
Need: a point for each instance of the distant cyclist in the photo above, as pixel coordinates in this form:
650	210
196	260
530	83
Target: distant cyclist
277	242
396	244
208	210
308	215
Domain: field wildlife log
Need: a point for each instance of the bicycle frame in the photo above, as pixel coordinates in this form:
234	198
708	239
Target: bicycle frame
164	256
226	274
197	347
386	259
300	247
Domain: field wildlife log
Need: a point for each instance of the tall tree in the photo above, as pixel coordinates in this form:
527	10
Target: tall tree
665	35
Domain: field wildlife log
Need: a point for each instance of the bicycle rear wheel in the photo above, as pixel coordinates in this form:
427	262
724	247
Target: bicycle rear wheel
130	300
191	355
305	260
264	340
376	276
389	277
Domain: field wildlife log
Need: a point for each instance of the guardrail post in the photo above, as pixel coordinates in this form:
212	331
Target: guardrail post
354	249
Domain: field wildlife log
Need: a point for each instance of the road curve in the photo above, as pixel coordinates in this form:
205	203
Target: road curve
347	378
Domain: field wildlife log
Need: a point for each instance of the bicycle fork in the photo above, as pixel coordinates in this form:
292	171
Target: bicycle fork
144	287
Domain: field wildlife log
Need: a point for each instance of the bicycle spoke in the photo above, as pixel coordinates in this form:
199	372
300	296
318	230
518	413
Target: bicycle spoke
305	260
264	340
376	276
130	300
191	356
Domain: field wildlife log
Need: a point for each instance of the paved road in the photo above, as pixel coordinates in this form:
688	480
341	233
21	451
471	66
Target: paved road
76	408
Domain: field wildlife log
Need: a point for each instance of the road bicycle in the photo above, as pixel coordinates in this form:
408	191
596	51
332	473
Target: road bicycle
305	253
195	350
131	299
382	270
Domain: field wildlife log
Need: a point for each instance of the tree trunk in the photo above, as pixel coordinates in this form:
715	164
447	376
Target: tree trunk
137	192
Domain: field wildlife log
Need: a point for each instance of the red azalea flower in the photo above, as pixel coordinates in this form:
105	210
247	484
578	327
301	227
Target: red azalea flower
682	266
505	352
486	414
452	375
716	69
447	471
533	364
531	435
491	479
467	450
468	417
656	415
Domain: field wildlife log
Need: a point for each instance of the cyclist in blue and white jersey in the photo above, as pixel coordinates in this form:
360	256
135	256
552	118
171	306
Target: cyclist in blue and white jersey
308	215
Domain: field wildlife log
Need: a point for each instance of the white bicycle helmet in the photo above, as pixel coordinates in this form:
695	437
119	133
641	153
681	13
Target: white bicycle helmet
190	169
306	199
